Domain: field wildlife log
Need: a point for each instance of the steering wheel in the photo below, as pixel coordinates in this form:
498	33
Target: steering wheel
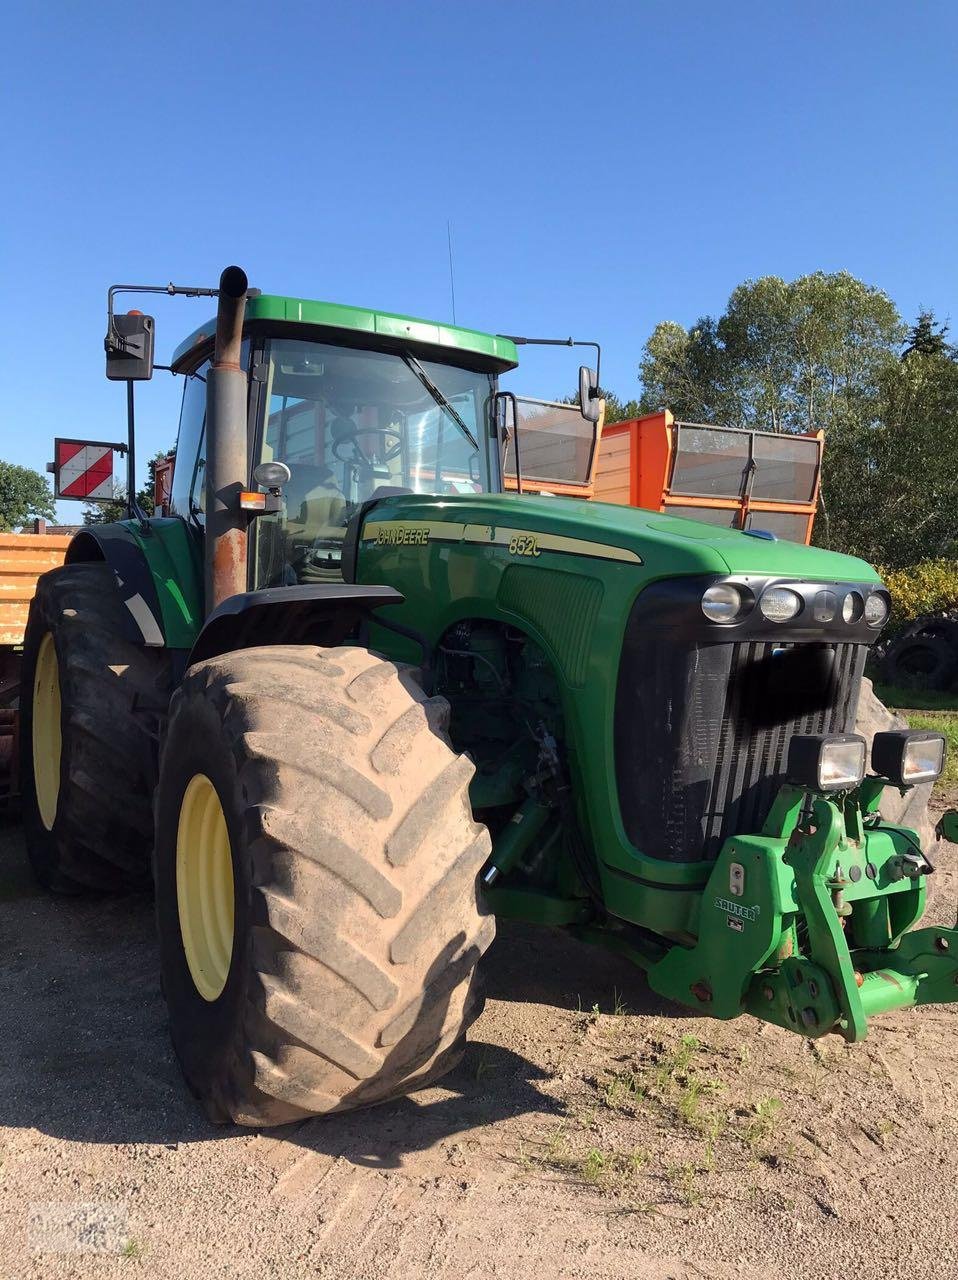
346	433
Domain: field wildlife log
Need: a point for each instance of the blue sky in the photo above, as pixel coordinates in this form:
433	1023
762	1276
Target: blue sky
603	166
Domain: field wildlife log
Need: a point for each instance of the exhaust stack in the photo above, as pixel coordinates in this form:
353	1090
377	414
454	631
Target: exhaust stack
226	447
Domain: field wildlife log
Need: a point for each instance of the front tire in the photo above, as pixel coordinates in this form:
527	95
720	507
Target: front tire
347	892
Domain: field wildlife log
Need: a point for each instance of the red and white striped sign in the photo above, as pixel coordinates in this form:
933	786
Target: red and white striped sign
84	469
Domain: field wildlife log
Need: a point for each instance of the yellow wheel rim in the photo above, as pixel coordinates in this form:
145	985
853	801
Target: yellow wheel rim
204	886
47	734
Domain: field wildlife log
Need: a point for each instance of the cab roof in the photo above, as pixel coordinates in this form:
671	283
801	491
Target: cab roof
497	354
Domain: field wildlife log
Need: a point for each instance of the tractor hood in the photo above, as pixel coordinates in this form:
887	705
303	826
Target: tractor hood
665	545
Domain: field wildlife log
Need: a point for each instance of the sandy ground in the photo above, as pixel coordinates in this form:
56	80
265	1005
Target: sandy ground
590	1131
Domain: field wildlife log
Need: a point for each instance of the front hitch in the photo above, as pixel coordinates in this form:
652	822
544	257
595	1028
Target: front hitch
808	925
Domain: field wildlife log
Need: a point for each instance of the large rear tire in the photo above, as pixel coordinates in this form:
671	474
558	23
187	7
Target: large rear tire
316	883
922	659
91	706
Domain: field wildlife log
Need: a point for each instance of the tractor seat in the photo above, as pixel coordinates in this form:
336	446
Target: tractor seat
307	480
316	507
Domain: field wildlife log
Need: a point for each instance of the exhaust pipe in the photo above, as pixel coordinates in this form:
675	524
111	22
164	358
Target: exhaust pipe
226	447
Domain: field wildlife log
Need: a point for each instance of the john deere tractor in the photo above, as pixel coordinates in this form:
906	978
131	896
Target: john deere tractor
349	701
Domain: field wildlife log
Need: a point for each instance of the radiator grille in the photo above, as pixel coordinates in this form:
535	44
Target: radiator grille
752	740
702	731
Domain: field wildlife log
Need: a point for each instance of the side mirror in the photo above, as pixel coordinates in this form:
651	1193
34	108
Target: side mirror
504	416
590	404
129	348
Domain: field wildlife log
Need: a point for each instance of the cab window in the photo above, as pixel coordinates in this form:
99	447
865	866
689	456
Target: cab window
187	494
353	425
188	491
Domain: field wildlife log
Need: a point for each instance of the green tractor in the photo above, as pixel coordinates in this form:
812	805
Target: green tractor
350	700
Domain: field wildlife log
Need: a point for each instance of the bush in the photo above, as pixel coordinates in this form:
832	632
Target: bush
926	587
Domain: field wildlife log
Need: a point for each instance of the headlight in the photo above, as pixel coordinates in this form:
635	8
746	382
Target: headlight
852	606
722	603
876	609
827	761
906	758
779	604
825	606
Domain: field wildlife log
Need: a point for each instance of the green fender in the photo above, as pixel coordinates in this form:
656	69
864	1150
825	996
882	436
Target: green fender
159	568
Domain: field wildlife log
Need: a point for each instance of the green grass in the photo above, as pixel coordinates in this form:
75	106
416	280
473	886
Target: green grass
948	725
683	1178
916	699
608	1168
765	1118
928	709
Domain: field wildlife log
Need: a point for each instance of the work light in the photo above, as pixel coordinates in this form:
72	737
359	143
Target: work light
825	606
876	609
722	603
853	606
826	761
779	604
272	475
906	758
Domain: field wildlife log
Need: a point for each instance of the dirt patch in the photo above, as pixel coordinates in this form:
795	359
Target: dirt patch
590	1130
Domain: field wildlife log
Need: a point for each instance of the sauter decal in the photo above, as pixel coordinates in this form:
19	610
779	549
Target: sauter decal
737	909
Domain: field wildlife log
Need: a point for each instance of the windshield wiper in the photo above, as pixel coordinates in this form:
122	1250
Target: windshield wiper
440	399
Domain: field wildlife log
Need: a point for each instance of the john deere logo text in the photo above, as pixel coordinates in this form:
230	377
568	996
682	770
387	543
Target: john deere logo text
737	909
390	536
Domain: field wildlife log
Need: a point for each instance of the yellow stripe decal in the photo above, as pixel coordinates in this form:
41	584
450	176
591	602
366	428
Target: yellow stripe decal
518	542
526	542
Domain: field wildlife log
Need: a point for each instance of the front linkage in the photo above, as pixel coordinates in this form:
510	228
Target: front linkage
806	925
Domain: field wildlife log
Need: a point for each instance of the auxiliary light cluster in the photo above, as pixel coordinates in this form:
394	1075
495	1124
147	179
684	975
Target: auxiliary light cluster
725	602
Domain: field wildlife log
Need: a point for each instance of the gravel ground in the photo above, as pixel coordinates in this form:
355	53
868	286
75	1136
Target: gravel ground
590	1131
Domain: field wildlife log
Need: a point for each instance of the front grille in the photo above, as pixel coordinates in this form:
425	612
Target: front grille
702	731
770	696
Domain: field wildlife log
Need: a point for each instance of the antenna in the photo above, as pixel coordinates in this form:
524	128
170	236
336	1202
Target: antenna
452	278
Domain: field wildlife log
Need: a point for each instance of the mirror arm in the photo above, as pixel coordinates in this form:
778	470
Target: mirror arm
562	342
115	341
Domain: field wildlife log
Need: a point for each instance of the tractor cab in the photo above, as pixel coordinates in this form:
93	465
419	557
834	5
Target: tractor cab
347	407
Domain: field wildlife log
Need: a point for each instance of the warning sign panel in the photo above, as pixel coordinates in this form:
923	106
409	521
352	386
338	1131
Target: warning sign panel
83	469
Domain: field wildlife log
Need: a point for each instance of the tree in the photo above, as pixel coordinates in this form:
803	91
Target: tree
782	357
24	495
617	410
895	484
927	338
116	508
822	352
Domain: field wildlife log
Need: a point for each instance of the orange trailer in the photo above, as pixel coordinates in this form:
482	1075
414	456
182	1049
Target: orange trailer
23	558
727	476
558	448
